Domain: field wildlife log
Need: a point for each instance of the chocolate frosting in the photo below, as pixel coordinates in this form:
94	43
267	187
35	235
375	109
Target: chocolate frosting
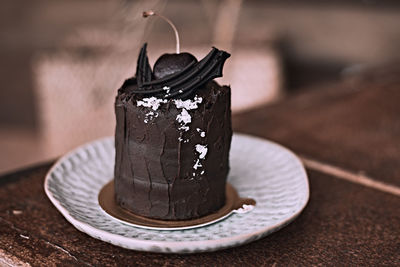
172	156
181	84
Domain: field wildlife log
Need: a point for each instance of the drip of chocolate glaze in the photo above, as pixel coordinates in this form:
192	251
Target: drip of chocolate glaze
181	84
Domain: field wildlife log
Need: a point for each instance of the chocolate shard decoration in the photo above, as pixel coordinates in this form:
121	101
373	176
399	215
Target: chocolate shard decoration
183	83
143	69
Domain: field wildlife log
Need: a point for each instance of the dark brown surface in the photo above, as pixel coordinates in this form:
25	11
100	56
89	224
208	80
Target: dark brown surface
353	125
343	223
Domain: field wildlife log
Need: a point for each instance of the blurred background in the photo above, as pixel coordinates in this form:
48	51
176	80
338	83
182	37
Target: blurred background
61	62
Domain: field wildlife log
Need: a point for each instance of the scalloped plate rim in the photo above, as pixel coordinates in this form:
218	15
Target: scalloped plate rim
145	245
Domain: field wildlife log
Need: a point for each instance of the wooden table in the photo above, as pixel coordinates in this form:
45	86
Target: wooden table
348	135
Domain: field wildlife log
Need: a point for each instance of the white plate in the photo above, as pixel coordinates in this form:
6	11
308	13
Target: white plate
260	169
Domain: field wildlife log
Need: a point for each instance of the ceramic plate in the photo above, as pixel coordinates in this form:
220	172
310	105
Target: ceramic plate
260	169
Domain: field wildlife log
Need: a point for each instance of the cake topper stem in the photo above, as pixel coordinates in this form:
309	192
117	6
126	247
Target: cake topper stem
152	13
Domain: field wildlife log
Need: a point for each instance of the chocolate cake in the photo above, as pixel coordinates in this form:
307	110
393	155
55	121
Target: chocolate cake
173	137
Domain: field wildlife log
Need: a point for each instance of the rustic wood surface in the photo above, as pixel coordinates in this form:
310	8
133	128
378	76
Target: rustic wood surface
348	135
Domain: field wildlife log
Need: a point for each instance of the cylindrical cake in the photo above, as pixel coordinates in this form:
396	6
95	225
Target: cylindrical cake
172	154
